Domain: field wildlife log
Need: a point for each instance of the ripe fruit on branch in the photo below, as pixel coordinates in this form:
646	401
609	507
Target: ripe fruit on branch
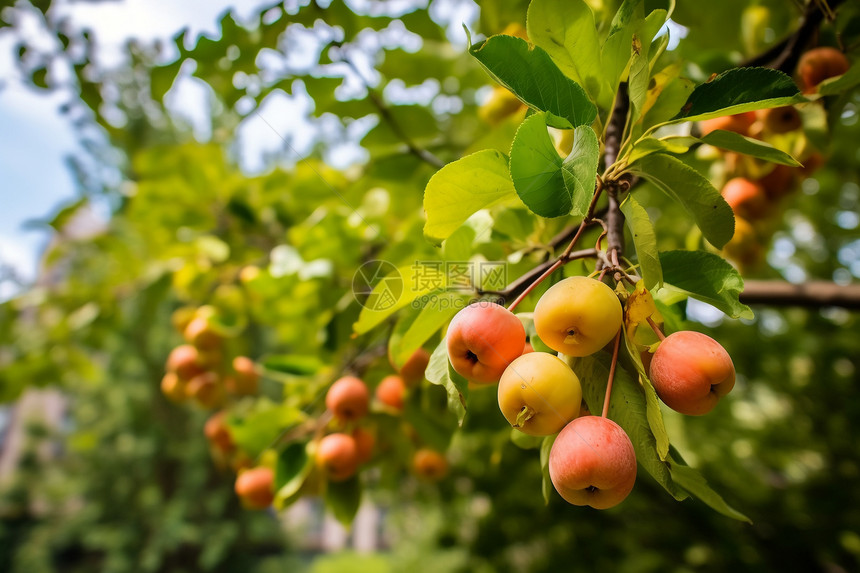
691	372
744	247
780	119
500	105
205	389
483	339
778	182
819	64
747	199
348	399
218	433
337	455
201	334
578	316
592	462
254	487
413	369
185	361
391	391
365	440
247	377
429	464
739	123
173	387
539	394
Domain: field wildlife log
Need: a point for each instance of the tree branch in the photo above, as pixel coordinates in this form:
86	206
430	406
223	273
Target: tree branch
614	134
784	55
812	294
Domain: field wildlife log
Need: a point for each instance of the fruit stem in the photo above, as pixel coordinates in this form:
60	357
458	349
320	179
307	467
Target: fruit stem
536	282
524	416
611	374
656	329
565	257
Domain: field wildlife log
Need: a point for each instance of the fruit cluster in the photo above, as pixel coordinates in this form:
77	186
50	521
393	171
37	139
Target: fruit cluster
196	370
753	188
592	460
345	438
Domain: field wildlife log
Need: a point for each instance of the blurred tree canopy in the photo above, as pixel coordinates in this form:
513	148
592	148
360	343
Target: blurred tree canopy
388	93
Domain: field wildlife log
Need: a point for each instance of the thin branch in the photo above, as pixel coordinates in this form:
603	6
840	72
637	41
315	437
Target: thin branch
612	366
814	294
387	116
517	287
785	54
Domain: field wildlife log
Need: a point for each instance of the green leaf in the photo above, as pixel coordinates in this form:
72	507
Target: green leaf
580	169
440	372
529	72
566	30
546	484
461	188
706	277
838	84
298	365
739	90
628	408
434	426
525	441
650	145
687	186
536	170
343	499
645	242
291	469
548	185
749	146
254	432
395	291
693	481
431	318
162	77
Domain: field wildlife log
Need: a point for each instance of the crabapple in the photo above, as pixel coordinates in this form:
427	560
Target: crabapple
364	442
500	105
819	64
592	462
247	376
254	487
577	316
780	119
200	333
413	369
528	348
739	123
747	199
778	182
205	389
173	387
483	339
691	372
539	394
390	391
218	433
338	456
185	361
348	399
744	247
429	464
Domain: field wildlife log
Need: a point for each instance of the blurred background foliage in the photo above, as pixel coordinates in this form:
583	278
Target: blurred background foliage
127	483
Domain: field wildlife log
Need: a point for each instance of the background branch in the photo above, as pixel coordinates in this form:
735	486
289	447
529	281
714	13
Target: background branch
812	294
